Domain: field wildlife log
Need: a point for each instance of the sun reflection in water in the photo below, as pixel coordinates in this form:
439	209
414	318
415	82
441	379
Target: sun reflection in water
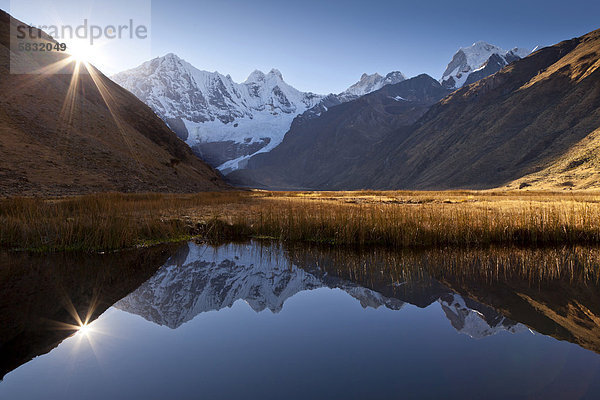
84	330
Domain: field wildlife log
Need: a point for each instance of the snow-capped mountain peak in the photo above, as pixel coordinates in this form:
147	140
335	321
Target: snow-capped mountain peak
394	77
276	72
223	122
480	51
171	56
256	76
366	83
475	58
370	83
259	76
366	76
521	52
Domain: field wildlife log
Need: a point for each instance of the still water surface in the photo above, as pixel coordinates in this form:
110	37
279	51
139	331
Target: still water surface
265	322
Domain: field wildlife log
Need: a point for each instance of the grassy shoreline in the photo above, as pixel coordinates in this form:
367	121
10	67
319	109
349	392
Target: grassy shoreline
106	222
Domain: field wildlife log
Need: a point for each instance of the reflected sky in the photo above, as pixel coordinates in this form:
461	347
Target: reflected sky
248	324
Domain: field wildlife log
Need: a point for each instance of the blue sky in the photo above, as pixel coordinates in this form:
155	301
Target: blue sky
324	46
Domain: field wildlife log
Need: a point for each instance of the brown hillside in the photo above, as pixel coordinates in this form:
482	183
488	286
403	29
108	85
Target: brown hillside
525	119
72	130
578	169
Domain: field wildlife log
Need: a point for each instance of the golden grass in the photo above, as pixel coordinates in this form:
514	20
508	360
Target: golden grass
529	266
395	219
98	222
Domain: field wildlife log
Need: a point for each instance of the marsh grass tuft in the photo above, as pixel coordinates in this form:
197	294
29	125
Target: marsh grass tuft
430	224
98	222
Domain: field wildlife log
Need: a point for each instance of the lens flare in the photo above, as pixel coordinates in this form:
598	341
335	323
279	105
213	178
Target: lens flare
84	330
80	53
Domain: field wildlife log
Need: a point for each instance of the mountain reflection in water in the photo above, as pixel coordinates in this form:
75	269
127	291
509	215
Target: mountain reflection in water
199	279
479	293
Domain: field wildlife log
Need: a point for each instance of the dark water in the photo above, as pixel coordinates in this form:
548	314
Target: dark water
266	322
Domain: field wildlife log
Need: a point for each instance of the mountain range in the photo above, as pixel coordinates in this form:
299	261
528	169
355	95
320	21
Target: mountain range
514	123
534	123
222	121
225	123
495	118
233	126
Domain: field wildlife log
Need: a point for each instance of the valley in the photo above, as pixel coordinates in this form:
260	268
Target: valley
186	227
494	124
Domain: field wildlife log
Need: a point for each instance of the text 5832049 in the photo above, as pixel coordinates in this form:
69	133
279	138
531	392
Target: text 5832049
42	47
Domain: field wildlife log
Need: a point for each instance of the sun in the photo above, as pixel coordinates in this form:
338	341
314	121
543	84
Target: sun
80	53
84	330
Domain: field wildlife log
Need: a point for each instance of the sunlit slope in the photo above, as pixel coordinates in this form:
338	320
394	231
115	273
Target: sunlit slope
578	169
72	130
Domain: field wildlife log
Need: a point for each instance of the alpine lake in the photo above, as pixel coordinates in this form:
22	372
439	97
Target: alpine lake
261	320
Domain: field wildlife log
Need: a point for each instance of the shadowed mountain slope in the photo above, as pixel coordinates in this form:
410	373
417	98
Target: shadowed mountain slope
71	130
329	151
